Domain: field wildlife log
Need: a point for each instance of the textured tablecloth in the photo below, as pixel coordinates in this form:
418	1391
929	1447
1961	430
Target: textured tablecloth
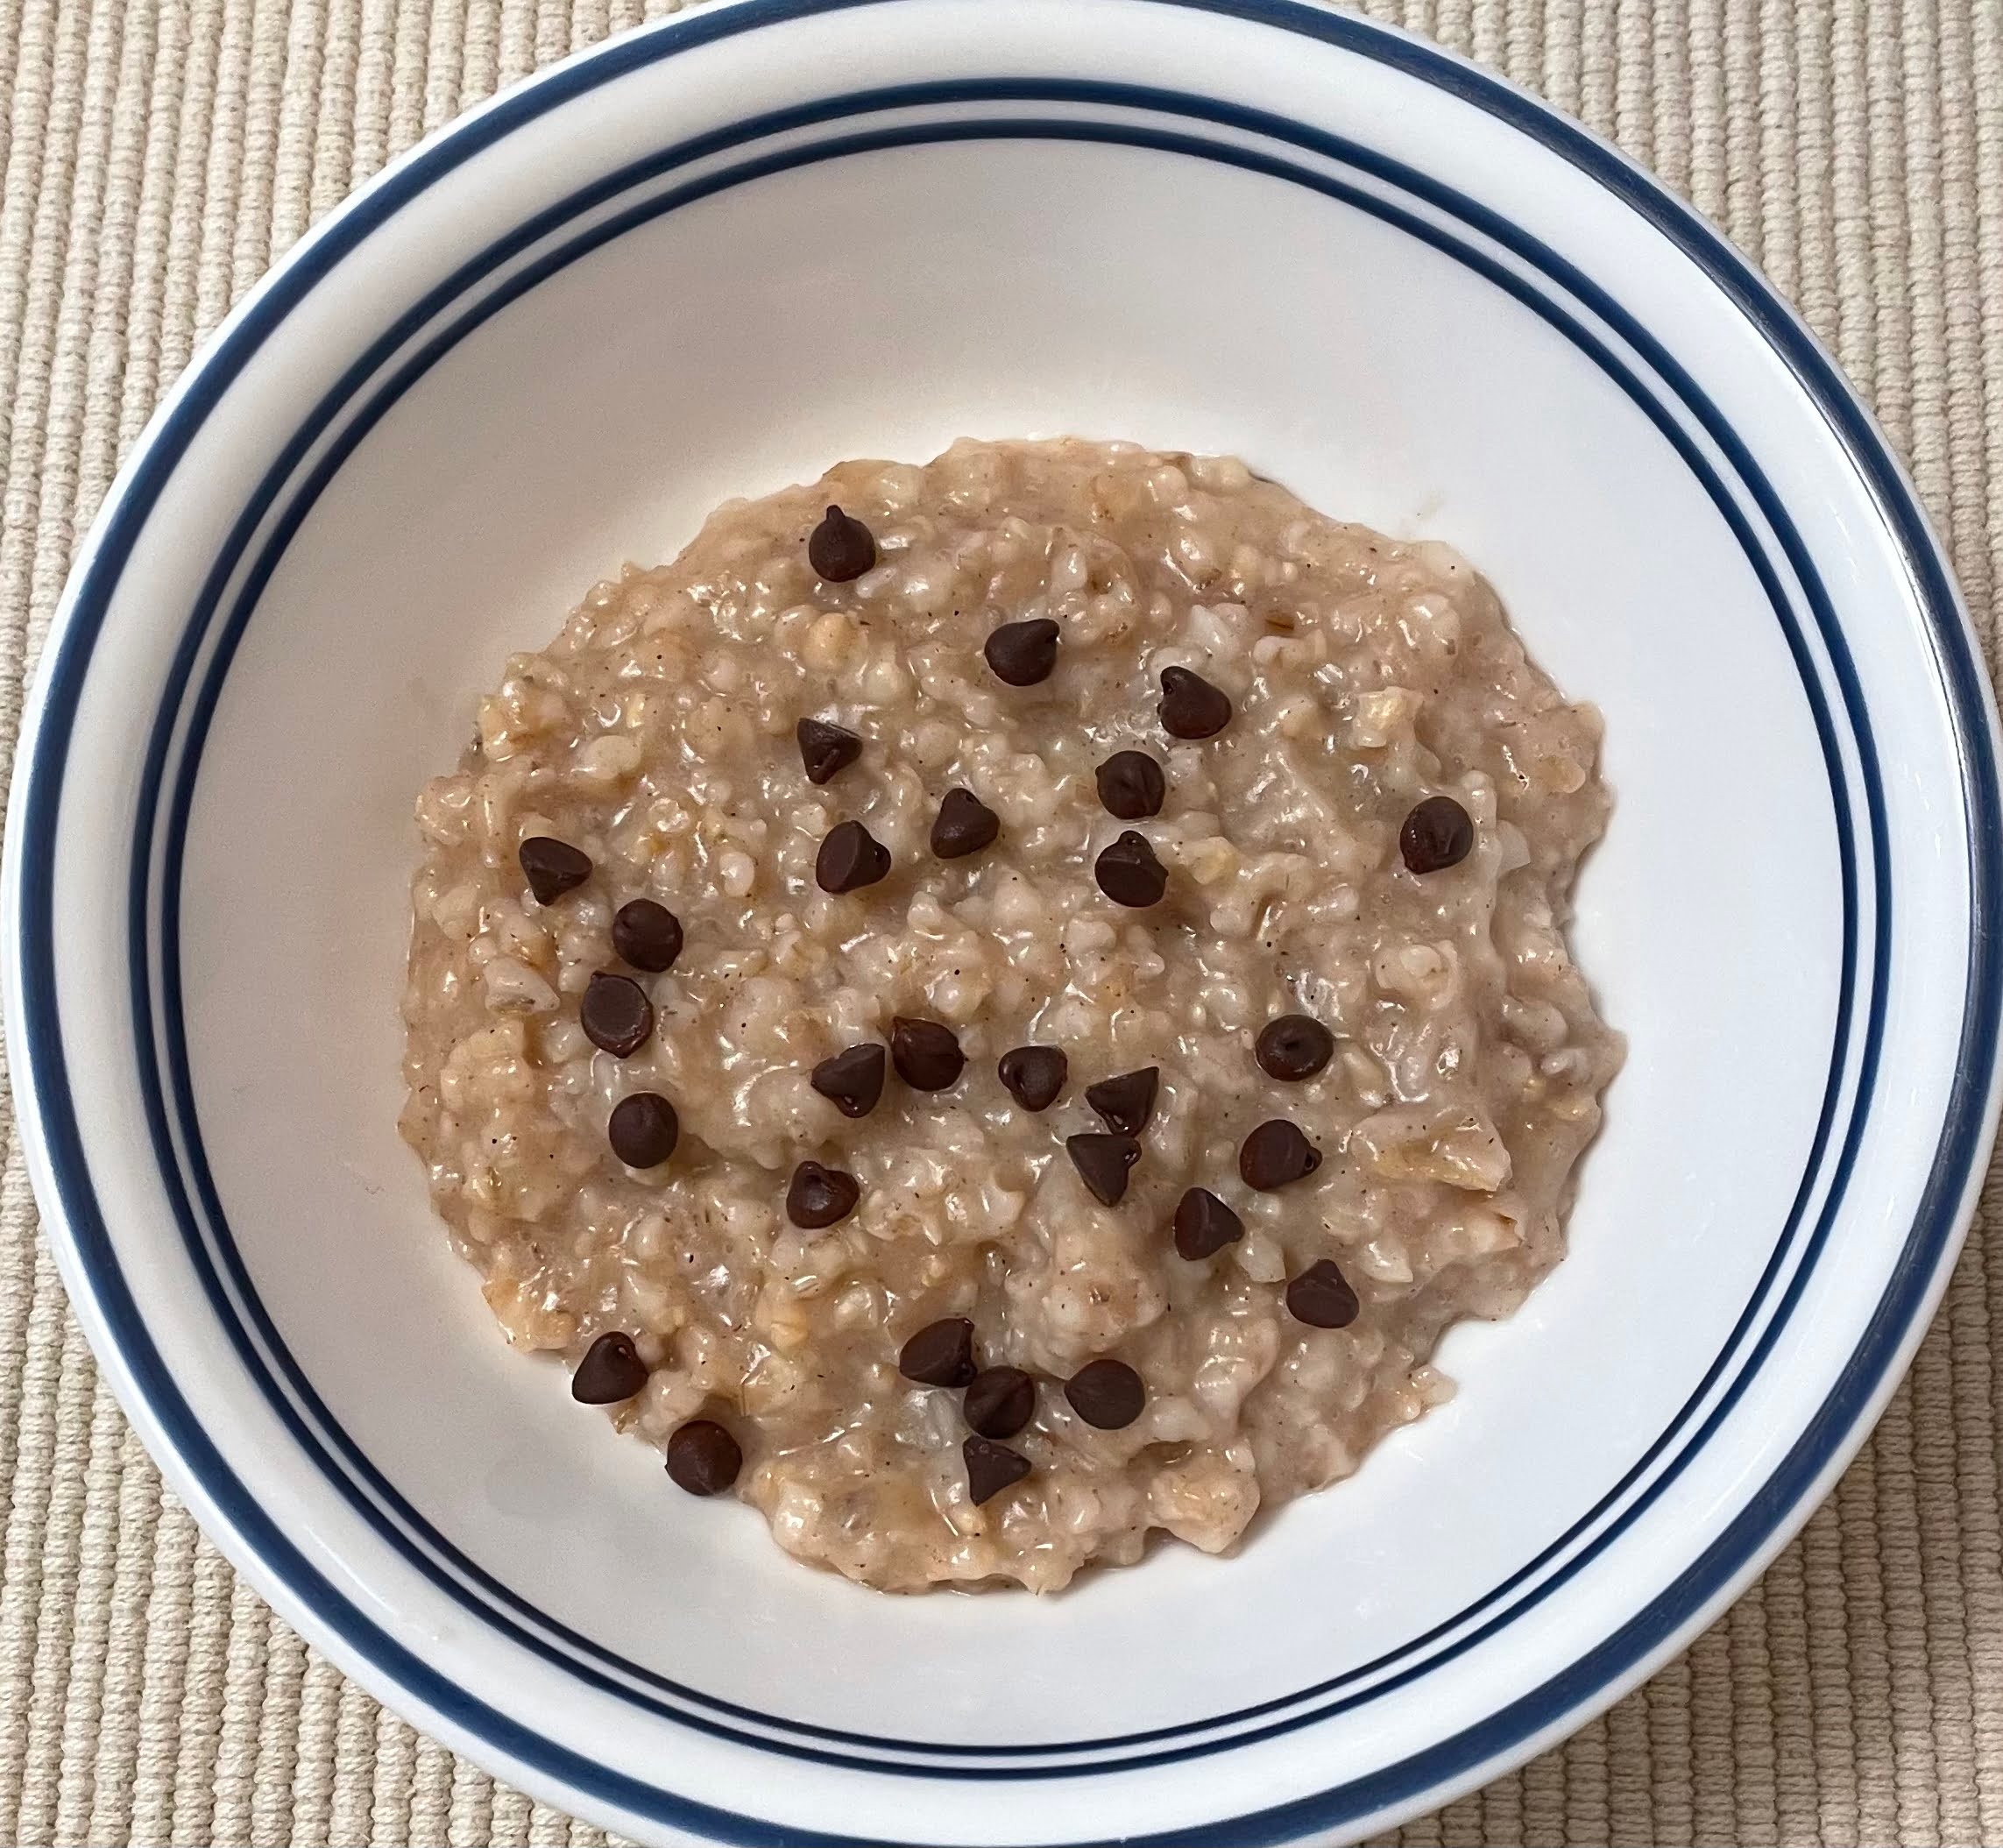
158	154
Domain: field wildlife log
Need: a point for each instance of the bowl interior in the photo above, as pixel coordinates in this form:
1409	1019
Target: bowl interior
885	302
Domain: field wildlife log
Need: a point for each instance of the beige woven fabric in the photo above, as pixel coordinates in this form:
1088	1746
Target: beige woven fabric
158	153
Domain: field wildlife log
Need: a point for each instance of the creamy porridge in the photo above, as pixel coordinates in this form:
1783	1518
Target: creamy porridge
996	1007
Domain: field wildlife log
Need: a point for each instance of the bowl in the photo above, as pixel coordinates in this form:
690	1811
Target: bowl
709	259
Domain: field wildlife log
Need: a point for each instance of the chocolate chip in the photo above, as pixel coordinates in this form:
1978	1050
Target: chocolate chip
839	548
704	1458
818	1197
1293	1047
1106	1394
965	824
1000	1402
926	1055
552	867
1204	1225
1034	1075
1190	706
991	1468
1131	785
940	1354
1436	835
1103	1163
611	1372
643	1129
851	857
825	750
1276	1154
1129	873
646	935
1125	1103
616	1014
1321	1296
852	1080
1022	653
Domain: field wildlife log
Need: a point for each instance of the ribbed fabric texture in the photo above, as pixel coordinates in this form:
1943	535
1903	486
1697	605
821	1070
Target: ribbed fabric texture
157	154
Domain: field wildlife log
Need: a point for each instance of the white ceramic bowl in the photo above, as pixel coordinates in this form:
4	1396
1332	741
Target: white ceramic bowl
712	258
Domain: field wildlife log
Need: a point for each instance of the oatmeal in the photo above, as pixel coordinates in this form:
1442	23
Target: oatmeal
994	1008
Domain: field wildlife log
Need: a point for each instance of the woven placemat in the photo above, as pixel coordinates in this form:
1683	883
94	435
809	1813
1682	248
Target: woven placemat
157	154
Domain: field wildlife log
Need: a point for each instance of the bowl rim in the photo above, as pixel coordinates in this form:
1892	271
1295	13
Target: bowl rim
1875	1367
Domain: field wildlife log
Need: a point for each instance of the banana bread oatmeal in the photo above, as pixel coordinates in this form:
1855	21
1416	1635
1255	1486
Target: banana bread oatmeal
995	1008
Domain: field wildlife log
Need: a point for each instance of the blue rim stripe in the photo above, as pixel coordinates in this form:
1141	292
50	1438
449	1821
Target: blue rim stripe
1963	1133
331	460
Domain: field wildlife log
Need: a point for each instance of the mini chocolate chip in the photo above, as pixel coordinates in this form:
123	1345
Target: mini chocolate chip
1022	653
818	1197
991	1468
851	857
1204	1225
1125	1103
611	1372
1034	1075
940	1354
1436	835
1293	1047
643	1129
839	548
616	1014
1106	1394
646	935
926	1055
1104	1164
1276	1154
852	1080
1131	785
704	1458
1190	706
1129	873
825	750
965	824
1000	1402
1321	1296
552	867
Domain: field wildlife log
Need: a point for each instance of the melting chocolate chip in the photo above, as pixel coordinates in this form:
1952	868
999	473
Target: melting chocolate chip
818	1197
926	1055
704	1458
839	548
1129	873
825	750
940	1354
643	1129
611	1372
851	857
1321	1296
1204	1225
1275	1154
1106	1394
1131	785
1437	834
646	935
991	1468
1190	706
552	867
1104	1164
1000	1402
965	824
1034	1075
1125	1103
616	1014
1293	1047
1022	653
851	1081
